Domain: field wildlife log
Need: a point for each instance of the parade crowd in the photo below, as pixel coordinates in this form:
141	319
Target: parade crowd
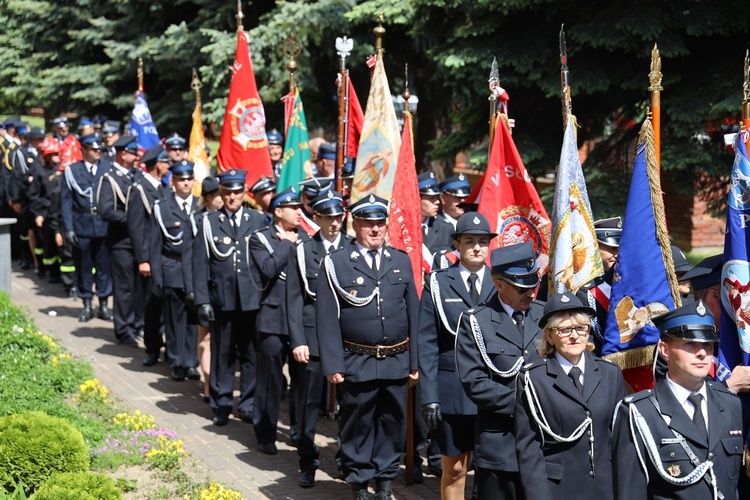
245	278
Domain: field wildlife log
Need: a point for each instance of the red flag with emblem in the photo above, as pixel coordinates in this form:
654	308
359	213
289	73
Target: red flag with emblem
243	142
404	212
509	200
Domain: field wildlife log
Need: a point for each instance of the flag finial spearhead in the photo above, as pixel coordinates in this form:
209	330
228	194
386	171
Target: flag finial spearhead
140	74
655	76
292	49
379	31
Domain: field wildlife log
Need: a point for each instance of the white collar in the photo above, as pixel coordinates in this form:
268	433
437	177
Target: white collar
681	393
465	273
121	168
364	250
153	181
183	201
567	365
509	310
328	244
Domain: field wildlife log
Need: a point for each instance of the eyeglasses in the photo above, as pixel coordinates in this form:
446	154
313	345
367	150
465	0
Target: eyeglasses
566	331
518	289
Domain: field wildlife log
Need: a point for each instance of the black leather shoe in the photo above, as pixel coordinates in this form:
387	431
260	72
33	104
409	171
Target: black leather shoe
360	491
72	293
306	479
221	420
151	359
193	374
434	471
416	475
383	489
87	312
247	417
268	448
178	374
105	313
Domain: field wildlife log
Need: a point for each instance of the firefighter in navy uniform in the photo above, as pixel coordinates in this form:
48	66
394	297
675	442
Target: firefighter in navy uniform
112	196
143	193
270	249
171	216
263	191
310	189
301	282
493	342
436	232
367	314
227	290
453	191
685	438
276	150
448	293
84	227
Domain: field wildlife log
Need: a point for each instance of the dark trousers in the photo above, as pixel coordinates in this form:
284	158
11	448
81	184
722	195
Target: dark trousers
232	336
50	257
272	350
496	484
67	265
182	338
372	428
90	254
152	317
309	387
124	288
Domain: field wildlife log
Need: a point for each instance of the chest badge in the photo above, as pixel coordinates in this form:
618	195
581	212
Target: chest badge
353	293
360	280
227	240
674	470
177	223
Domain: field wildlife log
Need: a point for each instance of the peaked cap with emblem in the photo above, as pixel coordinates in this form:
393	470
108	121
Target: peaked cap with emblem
327	151
209	185
608	231
681	264
127	143
275	137
705	273
427	183
182	169
111	127
692	322
458	186
232	179
473	223
315	186
36	133
152	154
60	121
286	198
92	141
264	184
517	264
329	203
175	142
560	302
370	207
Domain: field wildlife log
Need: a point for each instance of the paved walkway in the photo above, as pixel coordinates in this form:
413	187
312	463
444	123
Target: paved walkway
230	452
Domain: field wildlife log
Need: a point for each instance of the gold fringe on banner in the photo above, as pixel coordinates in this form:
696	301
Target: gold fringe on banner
632	358
646	135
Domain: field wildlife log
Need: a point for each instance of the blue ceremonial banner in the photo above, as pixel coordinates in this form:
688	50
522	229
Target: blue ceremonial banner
734	334
141	124
640	288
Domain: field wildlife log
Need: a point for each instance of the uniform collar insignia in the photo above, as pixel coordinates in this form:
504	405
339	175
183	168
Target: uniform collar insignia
387	253
246	216
354	255
222	217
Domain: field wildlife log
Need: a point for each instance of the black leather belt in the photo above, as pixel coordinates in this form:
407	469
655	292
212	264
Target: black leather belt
81	210
172	255
379	351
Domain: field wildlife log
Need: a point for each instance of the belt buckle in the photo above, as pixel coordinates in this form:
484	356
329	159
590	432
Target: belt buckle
380	351
92	210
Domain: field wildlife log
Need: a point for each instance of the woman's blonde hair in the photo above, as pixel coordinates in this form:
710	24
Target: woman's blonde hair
545	346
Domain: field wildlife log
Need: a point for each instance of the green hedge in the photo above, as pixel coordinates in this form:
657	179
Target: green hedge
34	446
78	485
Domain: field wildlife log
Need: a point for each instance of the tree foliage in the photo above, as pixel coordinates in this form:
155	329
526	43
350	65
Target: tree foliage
80	55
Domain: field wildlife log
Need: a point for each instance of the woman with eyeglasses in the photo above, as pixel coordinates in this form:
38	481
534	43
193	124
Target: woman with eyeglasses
564	407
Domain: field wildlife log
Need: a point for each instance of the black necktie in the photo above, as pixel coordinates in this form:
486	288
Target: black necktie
186	209
374	262
575	376
698	420
518	318
472	280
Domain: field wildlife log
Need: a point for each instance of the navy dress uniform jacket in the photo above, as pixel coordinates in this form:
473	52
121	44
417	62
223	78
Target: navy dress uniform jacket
271	256
389	322
224	274
567	466
170	226
438	381
300	293
495	446
78	198
724	447
141	198
112	201
438	234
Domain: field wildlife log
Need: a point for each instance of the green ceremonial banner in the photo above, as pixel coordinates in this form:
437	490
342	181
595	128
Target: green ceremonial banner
295	164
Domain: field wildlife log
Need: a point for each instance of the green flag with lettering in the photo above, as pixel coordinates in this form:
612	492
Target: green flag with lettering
295	164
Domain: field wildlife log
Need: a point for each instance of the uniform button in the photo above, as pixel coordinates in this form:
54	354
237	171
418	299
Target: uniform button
383	318
710	456
590	453
238	270
378	283
588	413
591	473
525	353
671	455
381	300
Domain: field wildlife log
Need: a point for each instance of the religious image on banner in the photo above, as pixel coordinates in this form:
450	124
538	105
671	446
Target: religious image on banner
574	252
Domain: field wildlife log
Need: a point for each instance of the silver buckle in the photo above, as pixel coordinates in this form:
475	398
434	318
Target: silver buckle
380	351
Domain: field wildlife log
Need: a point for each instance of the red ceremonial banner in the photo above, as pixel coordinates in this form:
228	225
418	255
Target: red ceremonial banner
355	121
243	143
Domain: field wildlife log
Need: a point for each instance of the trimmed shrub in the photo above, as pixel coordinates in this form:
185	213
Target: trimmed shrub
34	446
78	485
